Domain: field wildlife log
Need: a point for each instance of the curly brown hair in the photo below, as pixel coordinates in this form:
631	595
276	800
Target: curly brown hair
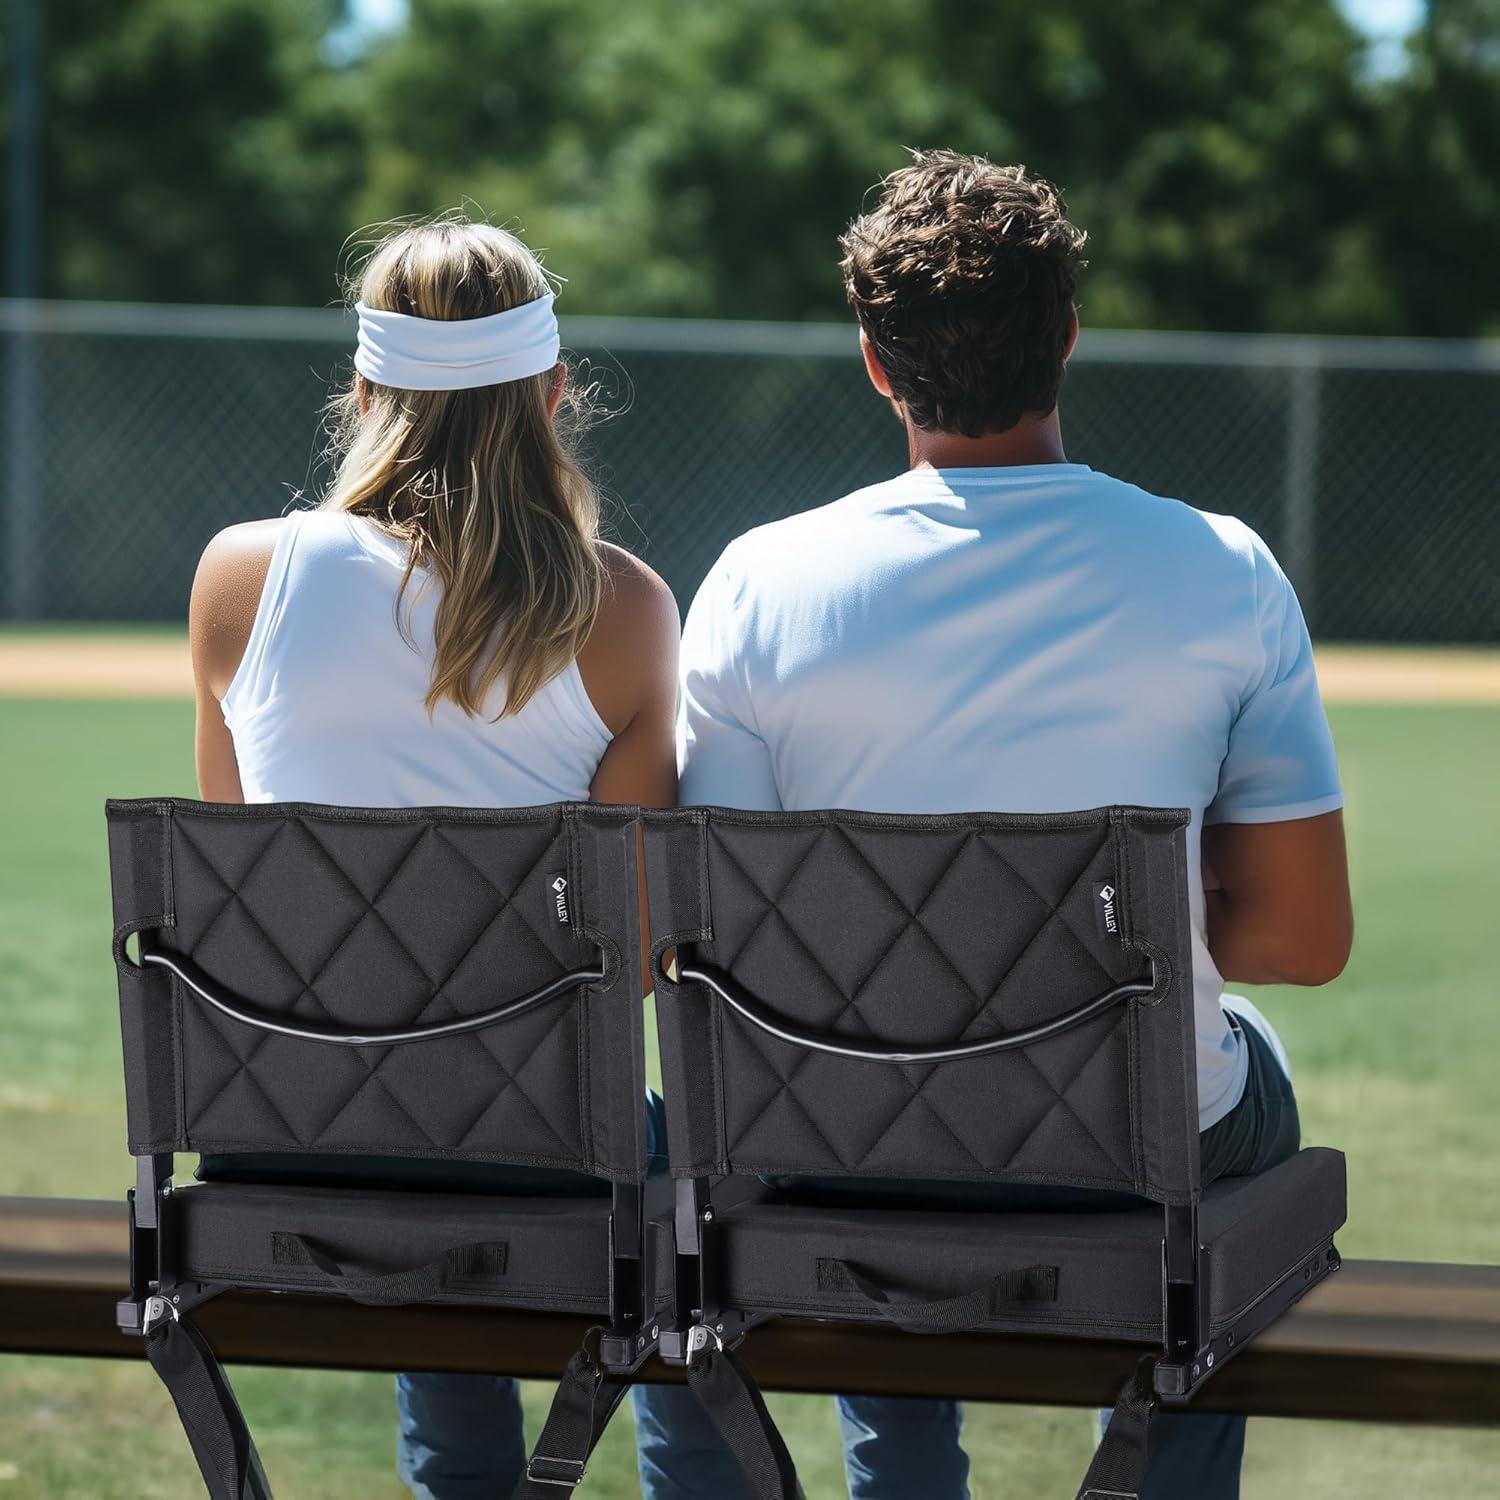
962	277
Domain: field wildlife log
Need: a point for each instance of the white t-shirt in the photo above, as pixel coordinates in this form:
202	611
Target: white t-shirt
1028	639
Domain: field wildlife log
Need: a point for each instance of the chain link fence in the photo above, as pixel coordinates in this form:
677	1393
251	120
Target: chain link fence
133	433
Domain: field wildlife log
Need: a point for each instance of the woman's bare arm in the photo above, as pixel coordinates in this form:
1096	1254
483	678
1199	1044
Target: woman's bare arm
629	668
226	594
1278	900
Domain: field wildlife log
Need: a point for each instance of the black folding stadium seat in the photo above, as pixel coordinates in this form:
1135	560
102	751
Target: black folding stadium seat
915	1003
359	1017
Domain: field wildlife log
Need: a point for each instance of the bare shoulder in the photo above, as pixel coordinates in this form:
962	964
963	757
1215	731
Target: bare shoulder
246	537
635	601
632	582
226	594
630	657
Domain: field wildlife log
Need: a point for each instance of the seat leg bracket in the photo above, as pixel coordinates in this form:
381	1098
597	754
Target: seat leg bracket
1176	1380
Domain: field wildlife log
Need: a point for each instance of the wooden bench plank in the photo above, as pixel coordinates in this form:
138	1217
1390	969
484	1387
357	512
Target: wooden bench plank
1380	1341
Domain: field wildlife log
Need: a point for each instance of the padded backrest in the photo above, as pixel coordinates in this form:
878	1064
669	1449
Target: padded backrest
326	916
926	931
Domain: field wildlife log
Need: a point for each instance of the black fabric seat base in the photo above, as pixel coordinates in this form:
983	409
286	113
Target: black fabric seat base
544	1253
782	1258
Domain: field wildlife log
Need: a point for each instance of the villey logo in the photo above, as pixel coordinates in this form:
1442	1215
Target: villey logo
560	897
1105	916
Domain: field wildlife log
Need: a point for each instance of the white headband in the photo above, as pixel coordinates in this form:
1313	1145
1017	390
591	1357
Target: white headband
456	354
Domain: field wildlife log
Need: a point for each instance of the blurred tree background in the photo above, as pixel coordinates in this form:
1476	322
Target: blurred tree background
1238	163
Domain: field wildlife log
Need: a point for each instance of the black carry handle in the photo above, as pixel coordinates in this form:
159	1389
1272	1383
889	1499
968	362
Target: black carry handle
959	1314
758	1015
339	1036
389	1288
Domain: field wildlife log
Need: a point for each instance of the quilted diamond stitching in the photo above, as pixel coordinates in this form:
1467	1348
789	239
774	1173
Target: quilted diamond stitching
486	1040
1056	914
272	945
230	900
510	1086
1054	921
788	1080
772	910
506	903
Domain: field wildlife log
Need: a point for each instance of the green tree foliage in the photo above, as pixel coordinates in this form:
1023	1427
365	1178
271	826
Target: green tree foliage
1235	166
194	150
1434	197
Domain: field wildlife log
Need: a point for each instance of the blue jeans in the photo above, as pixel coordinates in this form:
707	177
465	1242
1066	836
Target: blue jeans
459	1437
896	1448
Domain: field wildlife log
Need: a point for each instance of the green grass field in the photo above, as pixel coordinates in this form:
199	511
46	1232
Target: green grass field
1395	1063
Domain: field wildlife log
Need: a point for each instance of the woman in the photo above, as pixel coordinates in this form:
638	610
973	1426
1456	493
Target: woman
445	629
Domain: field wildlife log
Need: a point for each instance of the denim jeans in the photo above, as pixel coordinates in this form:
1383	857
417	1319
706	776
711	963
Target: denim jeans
894	1448
459	1437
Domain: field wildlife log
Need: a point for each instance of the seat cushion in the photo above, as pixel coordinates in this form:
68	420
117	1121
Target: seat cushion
1106	1267
546	1253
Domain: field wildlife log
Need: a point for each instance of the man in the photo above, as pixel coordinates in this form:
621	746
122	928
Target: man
998	628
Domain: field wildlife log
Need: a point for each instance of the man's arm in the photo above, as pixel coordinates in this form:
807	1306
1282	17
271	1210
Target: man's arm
1275	872
723	758
1278	900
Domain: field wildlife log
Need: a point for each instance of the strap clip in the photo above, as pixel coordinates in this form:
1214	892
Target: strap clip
158	1309
700	1340
571	1477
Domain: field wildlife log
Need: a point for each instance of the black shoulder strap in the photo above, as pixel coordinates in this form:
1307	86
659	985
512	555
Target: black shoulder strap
586	1399
729	1395
215	1426
1119	1467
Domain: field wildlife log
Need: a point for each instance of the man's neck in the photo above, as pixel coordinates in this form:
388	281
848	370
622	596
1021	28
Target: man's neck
1033	440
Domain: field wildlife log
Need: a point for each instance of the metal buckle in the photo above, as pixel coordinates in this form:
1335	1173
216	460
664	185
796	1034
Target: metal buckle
699	1340
156	1310
564	1463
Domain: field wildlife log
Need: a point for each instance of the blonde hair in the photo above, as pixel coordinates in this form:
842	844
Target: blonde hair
482	485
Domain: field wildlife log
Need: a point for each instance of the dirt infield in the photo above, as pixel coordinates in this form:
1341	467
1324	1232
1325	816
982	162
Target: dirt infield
94	664
1409	674
154	664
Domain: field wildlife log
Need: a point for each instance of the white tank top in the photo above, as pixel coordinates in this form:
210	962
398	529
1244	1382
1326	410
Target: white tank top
327	704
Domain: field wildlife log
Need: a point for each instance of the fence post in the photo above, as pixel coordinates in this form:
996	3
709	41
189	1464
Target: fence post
22	407
1299	514
23	591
